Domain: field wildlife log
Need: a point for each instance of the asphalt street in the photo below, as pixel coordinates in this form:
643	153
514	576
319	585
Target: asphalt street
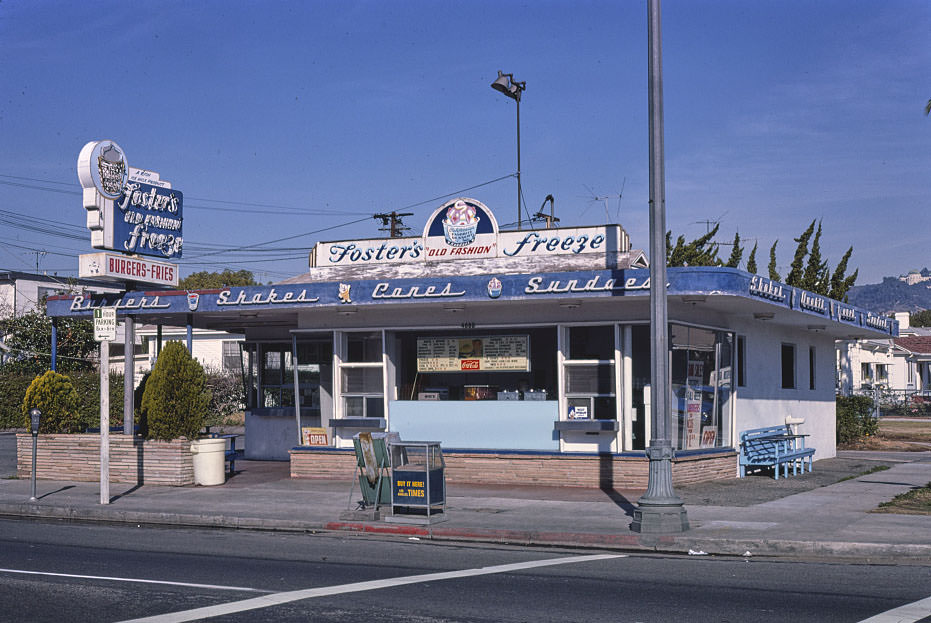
54	571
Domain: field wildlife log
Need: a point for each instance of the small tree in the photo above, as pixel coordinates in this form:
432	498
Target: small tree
797	269
175	402
751	261
54	395
702	251
737	253
773	273
840	283
205	280
29	338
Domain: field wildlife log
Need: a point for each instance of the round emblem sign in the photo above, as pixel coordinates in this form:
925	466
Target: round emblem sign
102	165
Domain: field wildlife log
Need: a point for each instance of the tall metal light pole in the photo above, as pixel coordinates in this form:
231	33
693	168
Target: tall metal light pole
659	511
506	84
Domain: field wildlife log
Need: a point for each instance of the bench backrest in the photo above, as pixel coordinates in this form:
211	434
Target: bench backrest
762	433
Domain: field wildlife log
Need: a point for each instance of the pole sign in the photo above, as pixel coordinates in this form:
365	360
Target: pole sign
128	210
105	324
120	267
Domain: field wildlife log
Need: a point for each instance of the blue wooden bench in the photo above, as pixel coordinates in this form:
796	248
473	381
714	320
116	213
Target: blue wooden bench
774	446
231	453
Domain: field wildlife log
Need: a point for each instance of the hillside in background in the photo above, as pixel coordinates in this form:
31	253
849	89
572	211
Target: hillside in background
893	295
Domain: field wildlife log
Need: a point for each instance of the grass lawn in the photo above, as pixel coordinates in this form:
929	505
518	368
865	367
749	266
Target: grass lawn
896	435
903	435
914	502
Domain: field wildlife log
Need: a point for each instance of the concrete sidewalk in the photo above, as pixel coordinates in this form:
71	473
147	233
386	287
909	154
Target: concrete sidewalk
811	515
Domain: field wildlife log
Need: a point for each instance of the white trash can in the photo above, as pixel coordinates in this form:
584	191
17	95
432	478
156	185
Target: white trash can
209	461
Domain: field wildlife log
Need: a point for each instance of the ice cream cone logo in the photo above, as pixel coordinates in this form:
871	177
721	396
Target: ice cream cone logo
460	224
111	164
494	287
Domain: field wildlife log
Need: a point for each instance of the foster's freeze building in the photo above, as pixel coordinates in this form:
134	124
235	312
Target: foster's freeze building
525	353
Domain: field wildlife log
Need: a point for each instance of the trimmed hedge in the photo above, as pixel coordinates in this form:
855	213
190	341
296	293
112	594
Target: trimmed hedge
12	391
175	402
87	385
225	387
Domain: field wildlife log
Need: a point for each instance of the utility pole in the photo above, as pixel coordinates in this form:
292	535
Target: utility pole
392	223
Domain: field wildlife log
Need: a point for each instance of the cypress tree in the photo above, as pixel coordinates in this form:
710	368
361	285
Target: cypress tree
839	283
772	263
751	261
812	277
796	272
737	253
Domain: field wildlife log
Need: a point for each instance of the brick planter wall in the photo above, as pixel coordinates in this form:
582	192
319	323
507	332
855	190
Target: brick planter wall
132	460
628	472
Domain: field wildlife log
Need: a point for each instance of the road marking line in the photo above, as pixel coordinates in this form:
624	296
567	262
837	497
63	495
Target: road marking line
909	613
277	599
103	577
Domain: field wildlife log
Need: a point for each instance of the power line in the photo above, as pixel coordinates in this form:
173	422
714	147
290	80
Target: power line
259	244
457	192
252	207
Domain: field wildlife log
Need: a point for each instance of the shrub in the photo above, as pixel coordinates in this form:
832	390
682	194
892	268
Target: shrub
855	418
87	385
54	395
227	397
12	392
175	402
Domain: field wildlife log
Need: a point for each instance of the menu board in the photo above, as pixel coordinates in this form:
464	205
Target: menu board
494	353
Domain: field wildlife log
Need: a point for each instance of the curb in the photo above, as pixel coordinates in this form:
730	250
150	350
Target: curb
661	544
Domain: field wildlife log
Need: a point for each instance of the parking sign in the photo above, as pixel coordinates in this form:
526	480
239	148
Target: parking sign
105	324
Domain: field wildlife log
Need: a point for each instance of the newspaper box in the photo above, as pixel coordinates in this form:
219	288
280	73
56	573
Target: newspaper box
418	482
372	461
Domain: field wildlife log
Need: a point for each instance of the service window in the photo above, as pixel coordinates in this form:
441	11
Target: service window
362	375
590	380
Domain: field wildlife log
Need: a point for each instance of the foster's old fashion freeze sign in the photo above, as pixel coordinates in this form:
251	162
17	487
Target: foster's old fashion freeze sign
128	210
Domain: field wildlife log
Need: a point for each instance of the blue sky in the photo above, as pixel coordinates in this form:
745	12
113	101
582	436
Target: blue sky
287	123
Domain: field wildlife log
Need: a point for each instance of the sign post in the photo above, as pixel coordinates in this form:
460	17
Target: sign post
105	332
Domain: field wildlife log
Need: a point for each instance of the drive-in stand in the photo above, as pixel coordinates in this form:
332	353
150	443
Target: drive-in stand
418	482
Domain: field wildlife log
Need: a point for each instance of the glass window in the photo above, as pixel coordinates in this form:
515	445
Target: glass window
811	367
362	380
590	379
701	377
363	347
249	373
741	361
589	373
788	366
866	373
277	377
231	355
361	376
539	382
271	371
591	342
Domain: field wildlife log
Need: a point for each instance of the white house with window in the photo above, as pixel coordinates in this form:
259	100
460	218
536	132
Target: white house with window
898	365
215	350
